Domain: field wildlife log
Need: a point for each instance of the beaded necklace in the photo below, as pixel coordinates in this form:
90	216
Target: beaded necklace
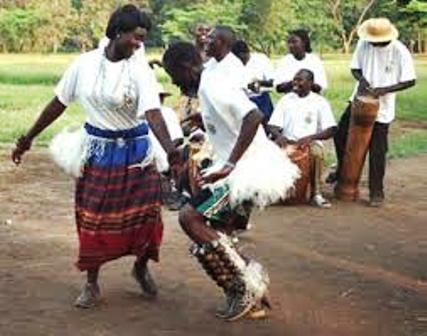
104	101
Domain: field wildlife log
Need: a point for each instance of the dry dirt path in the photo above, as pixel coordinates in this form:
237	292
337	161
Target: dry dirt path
351	270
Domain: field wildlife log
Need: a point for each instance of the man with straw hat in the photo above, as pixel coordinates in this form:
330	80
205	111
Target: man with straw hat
382	65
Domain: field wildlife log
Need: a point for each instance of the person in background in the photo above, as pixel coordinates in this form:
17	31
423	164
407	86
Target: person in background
200	34
304	118
300	57
382	66
260	73
117	197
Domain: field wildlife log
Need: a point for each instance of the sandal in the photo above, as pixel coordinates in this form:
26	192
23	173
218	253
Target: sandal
320	202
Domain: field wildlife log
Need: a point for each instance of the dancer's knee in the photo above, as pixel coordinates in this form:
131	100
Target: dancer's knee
186	217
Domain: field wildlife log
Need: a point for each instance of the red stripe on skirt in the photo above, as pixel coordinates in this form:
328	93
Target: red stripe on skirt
130	227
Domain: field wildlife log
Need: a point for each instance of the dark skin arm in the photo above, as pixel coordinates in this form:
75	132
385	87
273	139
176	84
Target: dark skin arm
381	91
279	139
154	63
365	87
324	135
49	114
287	87
256	85
248	130
158	127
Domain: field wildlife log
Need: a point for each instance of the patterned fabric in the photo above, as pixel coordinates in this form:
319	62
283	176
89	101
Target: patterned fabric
118	204
215	205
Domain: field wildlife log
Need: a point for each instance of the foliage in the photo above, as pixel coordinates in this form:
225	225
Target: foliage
179	21
264	22
17	28
52	25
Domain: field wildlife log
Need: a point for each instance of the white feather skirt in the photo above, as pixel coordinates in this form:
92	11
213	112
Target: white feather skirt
264	175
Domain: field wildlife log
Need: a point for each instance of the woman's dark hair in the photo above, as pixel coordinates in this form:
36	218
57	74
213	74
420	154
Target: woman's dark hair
125	19
303	35
179	53
239	47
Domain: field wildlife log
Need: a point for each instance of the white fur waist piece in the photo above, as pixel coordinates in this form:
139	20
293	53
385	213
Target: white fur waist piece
264	175
71	149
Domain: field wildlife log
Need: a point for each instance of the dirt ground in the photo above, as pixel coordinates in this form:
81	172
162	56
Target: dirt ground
351	270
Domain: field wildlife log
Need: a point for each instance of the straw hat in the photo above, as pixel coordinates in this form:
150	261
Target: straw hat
377	30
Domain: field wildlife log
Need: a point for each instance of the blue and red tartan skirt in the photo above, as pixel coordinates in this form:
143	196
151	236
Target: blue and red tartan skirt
117	203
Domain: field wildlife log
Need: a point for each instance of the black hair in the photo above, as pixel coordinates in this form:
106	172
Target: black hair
226	34
125	19
303	35
309	74
240	47
179	53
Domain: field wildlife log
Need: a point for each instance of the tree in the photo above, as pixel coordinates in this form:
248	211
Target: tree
179	21
347	17
264	22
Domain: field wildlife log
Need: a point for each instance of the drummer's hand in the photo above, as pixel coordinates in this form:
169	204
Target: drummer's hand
282	141
22	145
378	92
364	87
215	176
304	142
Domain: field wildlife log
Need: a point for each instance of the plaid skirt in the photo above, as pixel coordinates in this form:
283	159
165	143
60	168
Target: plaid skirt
118	202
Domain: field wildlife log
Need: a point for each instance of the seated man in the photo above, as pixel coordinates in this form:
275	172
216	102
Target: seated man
303	117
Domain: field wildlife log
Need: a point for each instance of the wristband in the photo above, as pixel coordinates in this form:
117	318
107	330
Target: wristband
230	165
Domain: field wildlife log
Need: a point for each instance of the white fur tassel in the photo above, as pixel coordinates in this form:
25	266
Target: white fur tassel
264	175
67	150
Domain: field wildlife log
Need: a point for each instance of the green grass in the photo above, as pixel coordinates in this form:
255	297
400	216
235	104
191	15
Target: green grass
27	82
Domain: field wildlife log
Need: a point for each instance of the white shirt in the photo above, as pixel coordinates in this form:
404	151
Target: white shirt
288	66
259	67
223	107
231	68
175	132
114	95
384	66
302	116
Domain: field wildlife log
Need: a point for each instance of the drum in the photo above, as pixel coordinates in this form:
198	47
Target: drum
364	112
299	156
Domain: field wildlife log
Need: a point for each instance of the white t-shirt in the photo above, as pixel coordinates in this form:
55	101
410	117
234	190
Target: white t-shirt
259	67
231	69
224	106
302	116
288	66
384	66
175	132
114	95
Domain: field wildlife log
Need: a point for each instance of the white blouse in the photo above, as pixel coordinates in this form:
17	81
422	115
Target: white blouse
114	95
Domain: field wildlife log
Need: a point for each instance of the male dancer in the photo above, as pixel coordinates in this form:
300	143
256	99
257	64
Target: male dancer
232	124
